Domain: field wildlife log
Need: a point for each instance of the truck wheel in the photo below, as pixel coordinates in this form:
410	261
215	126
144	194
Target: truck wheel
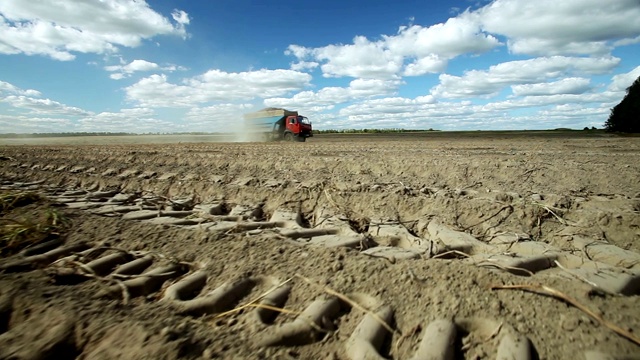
302	139
288	137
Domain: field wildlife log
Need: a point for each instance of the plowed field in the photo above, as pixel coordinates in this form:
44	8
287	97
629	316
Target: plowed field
344	247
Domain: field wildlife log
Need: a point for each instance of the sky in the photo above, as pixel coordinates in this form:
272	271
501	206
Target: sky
197	66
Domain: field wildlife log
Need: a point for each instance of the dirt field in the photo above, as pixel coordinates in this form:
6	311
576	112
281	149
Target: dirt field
344	247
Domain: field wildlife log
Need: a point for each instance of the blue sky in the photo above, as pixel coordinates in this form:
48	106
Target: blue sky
179	65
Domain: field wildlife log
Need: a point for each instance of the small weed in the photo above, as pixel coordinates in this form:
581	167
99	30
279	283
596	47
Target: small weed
12	200
18	233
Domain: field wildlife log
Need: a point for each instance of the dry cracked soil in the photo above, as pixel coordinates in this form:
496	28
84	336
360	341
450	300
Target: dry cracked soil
344	247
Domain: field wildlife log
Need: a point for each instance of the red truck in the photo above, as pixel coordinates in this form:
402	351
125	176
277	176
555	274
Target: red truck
278	124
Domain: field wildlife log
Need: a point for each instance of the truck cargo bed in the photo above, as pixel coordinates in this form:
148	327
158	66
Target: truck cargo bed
262	124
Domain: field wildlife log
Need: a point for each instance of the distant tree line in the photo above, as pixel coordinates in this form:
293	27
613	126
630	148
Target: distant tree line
625	117
64	134
329	131
368	131
105	133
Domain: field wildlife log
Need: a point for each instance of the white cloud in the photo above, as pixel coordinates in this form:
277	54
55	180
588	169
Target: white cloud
373	87
59	28
575	111
135	65
139	65
419	113
43	106
457	36
538	112
428	49
432	47
627	41
362	59
304	65
490	82
30	113
32	124
390	105
216	85
180	17
117	76
298	51
571	85
217	118
133	120
7	88
549	27
328	97
123	71
621	82
543	28
427	64
540	101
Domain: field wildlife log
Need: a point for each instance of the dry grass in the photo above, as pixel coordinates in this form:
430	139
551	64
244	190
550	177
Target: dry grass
549	291
22	229
12	200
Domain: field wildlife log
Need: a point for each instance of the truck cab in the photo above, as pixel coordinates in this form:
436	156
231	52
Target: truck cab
299	127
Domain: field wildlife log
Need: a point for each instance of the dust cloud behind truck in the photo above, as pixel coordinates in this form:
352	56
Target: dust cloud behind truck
272	124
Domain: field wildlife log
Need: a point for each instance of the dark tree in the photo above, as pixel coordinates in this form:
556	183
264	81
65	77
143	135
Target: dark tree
625	117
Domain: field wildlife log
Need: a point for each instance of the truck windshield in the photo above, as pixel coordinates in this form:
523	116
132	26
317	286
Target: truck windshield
304	120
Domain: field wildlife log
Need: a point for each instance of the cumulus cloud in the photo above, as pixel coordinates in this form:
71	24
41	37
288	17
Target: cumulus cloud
490	82
7	88
571	85
21	124
575	111
328	97
135	65
419	113
55	117
621	82
133	120
221	111
538	112
544	28
428	64
180	17
362	59
304	65
43	106
215	86
457	36
432	47
123	71
540	101
390	105
30	105
217	118
298	51
549	27
427	48
60	28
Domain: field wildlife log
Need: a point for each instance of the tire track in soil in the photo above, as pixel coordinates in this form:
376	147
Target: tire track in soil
135	274
606	267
